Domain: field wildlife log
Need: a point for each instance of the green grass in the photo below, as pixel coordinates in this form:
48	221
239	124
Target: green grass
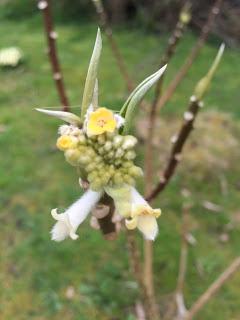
35	272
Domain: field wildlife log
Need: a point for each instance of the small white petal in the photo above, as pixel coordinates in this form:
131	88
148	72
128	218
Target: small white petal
148	226
69	221
59	231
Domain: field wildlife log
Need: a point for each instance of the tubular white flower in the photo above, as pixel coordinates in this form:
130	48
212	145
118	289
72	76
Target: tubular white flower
69	221
135	209
143	216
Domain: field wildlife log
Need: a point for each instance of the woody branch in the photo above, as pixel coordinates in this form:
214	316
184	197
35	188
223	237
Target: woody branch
178	142
45	7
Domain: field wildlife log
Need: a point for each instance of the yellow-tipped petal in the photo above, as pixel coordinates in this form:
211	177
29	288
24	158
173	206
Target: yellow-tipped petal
148	226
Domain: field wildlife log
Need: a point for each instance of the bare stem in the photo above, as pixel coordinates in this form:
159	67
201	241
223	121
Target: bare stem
168	54
181	310
45	7
213	289
170	50
178	143
191	57
184	251
115	49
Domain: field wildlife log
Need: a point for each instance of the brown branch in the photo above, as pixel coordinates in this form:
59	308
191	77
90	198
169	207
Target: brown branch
178	143
45	7
213	289
191	57
103	19
173	42
168	54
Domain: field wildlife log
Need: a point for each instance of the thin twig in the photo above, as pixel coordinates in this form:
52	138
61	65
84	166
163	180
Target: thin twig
173	42
136	268
103	19
148	272
178	143
45	7
191	57
213	289
181	309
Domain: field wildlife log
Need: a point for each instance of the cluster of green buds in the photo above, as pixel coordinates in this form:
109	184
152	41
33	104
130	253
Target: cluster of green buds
103	160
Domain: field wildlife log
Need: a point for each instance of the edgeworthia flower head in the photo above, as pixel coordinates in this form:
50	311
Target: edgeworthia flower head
99	145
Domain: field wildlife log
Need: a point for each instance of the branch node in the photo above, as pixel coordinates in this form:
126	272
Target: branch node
53	35
178	157
188	116
174	138
42	5
57	76
193	98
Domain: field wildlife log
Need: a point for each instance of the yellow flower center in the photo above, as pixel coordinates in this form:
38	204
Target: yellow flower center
100	121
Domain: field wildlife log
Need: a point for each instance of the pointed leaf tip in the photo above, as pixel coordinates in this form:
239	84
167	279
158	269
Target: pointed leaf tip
91	75
136	96
65	116
203	85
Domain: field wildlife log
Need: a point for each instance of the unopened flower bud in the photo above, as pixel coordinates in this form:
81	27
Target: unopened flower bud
96	185
129	180
101	151
92	176
101	139
108	146
117	141
119	153
82	139
84	159
117	178
135	171
110	135
72	156
129	142
130	155
127	164
90	167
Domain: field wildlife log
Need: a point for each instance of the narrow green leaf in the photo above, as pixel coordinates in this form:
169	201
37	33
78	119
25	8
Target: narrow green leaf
124	107
95	96
65	116
128	109
91	75
203	85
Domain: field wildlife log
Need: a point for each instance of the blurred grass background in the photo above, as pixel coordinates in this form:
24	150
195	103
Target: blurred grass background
89	279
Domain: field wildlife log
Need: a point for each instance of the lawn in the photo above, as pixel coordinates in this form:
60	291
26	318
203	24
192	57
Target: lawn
89	278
